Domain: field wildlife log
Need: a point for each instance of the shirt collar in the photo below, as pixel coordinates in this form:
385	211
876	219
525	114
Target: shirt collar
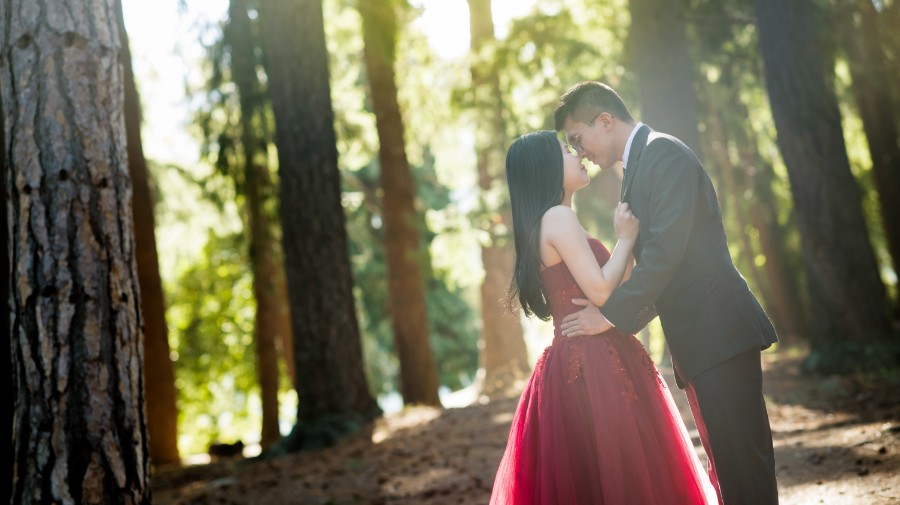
628	144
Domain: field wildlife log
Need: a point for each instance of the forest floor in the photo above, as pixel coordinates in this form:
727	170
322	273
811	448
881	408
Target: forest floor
837	441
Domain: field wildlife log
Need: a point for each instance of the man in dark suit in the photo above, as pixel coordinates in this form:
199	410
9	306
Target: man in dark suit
714	326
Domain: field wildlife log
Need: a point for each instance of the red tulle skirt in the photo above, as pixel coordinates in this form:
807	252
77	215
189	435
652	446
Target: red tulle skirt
596	424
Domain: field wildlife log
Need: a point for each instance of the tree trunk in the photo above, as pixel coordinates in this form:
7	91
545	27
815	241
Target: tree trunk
782	298
872	90
729	185
783	281
159	378
256	187
406	290
889	19
284	317
503	353
334	397
846	293
8	410
79	433
664	69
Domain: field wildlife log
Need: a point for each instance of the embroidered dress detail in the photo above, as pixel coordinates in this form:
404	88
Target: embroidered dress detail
596	423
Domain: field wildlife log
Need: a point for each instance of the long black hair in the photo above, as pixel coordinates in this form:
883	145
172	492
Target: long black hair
534	173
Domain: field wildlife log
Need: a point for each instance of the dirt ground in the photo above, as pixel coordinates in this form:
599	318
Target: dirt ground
837	441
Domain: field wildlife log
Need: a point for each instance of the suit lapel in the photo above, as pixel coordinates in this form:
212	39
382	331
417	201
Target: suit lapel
637	148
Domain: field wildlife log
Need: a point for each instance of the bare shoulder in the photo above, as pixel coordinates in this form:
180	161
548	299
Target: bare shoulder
558	212
560	222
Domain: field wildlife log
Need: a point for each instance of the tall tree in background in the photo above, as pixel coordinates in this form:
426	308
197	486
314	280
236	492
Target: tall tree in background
872	82
664	69
752	203
159	378
334	397
5	359
665	73
79	434
504	356
406	289
847	297
254	184
889	19
744	176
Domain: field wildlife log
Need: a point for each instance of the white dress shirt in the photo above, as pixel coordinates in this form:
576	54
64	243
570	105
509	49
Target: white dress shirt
628	145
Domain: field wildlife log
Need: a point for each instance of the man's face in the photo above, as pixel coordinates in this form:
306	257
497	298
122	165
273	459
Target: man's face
593	140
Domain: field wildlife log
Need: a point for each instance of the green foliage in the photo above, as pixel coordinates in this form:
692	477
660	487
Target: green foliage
735	117
454	340
558	43
451	319
211	306
211	312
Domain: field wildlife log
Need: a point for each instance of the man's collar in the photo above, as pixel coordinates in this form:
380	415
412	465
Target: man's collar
628	144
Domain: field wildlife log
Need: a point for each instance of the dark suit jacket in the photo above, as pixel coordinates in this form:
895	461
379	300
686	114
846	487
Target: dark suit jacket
707	311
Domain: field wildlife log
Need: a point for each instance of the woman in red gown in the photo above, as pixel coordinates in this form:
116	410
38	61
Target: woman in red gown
596	423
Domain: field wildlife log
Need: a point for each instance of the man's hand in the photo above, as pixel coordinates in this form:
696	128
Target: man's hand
587	321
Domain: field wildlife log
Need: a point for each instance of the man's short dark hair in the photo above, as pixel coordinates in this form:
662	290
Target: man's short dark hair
583	101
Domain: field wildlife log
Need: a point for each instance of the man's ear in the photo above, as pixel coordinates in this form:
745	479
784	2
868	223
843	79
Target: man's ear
606	119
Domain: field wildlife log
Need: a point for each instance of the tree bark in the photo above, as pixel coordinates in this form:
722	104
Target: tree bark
406	289
159	378
334	397
504	357
5	284
286	349
79	432
846	293
889	18
664	69
872	90
256	187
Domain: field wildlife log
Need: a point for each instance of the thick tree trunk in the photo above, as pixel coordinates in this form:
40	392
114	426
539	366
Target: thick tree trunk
334	397
503	353
889	20
406	289
159	378
846	293
872	90
257	183
664	69
79	432
6	425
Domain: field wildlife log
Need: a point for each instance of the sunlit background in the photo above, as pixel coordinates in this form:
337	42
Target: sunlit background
199	227
168	43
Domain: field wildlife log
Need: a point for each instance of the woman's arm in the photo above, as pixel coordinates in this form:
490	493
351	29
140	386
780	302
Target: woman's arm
629	266
561	229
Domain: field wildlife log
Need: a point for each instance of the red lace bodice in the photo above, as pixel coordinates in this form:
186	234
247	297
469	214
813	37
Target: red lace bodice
560	286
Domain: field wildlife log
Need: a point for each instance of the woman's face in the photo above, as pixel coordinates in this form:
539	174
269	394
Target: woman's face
575	176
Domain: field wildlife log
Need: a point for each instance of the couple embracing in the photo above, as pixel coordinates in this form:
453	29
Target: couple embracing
596	423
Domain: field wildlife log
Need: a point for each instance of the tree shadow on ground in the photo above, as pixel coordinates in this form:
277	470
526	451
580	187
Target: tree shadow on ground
839	445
